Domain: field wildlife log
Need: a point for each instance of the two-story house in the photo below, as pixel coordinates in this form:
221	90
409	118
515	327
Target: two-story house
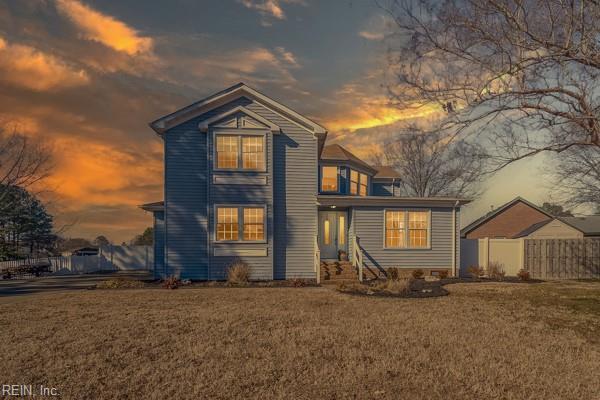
247	177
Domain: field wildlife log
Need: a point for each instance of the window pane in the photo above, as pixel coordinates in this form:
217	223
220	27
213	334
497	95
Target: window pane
329	179
326	232
227	151
417	219
418	225
363	184
253	155
394	228
254	228
353	182
227	223
342	229
417	238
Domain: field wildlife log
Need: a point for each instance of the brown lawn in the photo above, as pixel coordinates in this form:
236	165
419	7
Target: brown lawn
483	341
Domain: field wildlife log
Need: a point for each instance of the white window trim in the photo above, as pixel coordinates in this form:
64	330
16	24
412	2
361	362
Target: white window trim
239	134
406	235
240	208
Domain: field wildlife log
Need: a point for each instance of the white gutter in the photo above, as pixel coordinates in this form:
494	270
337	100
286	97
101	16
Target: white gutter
454	238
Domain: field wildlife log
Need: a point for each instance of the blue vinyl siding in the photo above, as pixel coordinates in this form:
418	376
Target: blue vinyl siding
159	244
289	196
367	223
186	223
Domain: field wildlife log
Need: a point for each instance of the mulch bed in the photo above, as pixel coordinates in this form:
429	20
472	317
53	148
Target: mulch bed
420	288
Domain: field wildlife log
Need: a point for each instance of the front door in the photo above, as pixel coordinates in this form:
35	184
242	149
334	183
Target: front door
333	233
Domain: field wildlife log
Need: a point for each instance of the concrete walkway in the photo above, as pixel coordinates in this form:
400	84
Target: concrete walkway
14	287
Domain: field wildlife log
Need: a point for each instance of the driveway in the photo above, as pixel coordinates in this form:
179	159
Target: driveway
13	287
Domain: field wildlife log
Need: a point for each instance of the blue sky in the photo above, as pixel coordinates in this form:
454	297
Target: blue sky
87	76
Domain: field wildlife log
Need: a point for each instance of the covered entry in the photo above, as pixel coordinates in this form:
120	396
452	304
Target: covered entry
333	233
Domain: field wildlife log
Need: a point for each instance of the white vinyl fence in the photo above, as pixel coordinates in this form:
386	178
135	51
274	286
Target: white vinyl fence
109	258
481	252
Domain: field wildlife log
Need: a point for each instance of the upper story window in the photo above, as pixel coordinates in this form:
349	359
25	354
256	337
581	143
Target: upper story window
358	183
242	152
329	179
407	229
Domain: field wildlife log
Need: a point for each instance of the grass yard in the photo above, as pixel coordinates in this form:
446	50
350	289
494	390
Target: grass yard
483	341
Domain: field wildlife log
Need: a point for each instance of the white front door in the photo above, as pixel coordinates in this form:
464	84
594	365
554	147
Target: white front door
333	233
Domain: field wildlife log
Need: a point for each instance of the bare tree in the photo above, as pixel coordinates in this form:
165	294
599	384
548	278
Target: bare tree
577	177
526	72
432	164
23	161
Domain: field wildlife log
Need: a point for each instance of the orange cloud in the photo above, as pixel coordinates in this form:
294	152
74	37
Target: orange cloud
104	28
359	110
33	69
101	174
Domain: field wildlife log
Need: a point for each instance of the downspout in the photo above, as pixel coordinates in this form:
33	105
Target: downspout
454	238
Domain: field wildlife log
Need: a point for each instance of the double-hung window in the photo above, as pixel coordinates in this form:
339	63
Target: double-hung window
240	223
240	152
358	183
406	229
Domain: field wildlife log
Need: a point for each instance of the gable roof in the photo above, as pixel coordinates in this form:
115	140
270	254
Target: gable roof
335	152
386	172
588	225
225	96
481	220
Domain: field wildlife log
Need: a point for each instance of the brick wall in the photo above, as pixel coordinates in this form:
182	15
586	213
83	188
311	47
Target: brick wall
509	222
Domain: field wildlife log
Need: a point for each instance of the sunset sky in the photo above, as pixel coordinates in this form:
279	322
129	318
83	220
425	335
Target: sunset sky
87	77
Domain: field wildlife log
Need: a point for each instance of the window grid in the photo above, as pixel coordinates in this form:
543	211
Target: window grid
253	155
227	223
240	224
417	228
227	151
398	236
394	229
254	228
329	179
240	152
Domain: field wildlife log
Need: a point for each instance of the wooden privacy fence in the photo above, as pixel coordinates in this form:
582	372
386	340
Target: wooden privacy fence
563	258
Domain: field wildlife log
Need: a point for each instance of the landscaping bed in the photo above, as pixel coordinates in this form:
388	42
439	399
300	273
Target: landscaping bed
406	288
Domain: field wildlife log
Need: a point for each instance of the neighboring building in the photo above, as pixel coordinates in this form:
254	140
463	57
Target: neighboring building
564	228
247	177
507	221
